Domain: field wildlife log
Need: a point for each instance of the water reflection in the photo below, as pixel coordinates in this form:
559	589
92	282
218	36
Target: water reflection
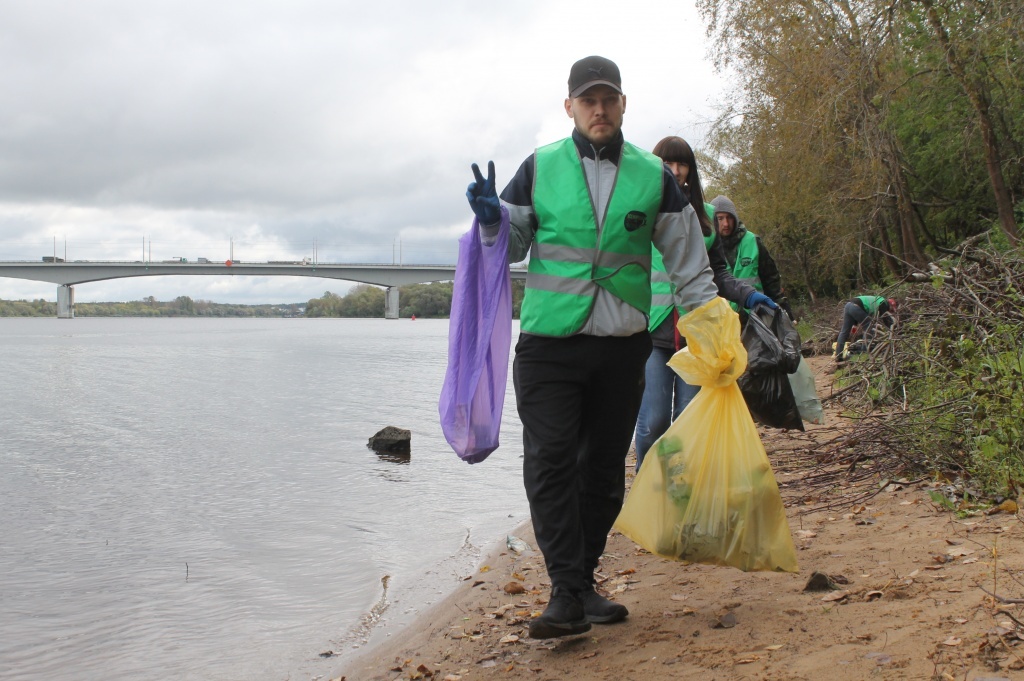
393	457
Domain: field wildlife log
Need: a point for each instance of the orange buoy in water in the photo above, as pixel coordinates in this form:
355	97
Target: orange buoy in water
413	318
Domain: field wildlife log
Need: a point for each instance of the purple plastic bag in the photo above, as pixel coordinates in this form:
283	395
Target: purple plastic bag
479	337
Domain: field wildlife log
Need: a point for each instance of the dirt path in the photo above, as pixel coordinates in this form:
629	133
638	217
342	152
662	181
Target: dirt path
910	604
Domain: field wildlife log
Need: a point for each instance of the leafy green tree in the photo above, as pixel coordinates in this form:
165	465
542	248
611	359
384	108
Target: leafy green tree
857	143
363	300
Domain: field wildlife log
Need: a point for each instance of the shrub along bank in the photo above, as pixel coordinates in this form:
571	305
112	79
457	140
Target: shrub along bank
941	394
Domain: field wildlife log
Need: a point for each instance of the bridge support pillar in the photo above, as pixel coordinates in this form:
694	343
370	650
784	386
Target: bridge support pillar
65	301
391	302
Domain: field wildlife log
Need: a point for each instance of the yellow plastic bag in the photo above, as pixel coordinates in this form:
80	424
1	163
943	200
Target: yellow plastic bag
705	492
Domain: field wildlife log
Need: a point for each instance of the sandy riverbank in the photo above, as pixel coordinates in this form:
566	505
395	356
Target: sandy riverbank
910	604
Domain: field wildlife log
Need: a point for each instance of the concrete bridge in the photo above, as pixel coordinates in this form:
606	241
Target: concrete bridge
67	274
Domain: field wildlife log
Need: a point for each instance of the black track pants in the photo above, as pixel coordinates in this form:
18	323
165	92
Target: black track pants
578	399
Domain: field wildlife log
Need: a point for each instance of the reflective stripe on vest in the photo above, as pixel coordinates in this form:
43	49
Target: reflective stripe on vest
662	298
745	267
871	303
568	260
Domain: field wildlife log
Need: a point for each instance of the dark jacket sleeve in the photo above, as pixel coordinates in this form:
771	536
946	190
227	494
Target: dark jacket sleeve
729	287
768	272
886	314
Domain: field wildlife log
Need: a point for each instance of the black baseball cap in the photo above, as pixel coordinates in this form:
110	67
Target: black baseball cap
591	71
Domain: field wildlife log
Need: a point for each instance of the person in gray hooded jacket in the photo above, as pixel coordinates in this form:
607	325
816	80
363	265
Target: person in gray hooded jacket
746	254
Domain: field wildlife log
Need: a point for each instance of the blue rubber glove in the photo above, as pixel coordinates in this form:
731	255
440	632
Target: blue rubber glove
483	198
757	298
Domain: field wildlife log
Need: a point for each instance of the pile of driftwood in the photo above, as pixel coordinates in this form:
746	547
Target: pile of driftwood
913	393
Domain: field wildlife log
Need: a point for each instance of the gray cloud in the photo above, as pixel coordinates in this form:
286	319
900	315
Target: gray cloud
351	125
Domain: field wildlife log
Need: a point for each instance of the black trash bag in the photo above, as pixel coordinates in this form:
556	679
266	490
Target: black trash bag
764	351
769	397
789	338
773	352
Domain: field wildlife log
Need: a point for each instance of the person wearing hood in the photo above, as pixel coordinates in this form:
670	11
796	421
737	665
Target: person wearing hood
746	254
587	209
666	394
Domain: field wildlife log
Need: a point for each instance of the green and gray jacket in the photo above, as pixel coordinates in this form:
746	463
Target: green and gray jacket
612	305
663	333
747	256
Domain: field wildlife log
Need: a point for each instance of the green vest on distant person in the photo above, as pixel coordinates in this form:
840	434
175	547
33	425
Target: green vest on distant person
662	291
745	267
568	260
871	303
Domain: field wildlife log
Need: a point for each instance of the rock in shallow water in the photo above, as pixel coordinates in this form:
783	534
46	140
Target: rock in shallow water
391	440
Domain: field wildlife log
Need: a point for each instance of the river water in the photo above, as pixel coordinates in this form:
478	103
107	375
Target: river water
194	498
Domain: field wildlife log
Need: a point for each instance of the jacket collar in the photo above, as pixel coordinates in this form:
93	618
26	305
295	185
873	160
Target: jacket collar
610	151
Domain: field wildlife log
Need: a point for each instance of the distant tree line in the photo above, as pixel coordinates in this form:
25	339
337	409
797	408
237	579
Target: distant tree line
422	300
363	300
182	306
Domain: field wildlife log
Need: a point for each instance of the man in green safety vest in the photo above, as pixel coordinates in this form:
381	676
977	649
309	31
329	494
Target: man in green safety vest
747	256
587	209
861	311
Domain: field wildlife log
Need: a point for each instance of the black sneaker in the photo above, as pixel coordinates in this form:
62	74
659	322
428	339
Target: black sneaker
564	616
600	610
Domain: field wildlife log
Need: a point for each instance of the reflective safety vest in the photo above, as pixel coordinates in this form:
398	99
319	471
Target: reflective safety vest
568	259
745	267
871	303
662	298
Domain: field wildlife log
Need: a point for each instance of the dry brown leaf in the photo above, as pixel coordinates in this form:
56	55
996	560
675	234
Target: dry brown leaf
952	641
835	596
678	597
873	596
1008	506
805	534
748	659
774	647
508	638
959	552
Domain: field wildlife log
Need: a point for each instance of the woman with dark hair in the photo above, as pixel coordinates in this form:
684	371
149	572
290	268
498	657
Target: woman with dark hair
665	393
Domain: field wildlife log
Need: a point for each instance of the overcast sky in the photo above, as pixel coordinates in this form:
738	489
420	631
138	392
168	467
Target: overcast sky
174	128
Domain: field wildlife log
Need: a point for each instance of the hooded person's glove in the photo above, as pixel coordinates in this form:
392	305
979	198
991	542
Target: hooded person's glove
483	198
756	298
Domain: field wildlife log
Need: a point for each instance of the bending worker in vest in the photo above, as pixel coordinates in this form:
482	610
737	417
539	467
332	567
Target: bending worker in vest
861	312
587	209
666	394
748	258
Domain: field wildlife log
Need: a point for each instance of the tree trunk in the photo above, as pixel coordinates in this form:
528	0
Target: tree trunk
980	101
